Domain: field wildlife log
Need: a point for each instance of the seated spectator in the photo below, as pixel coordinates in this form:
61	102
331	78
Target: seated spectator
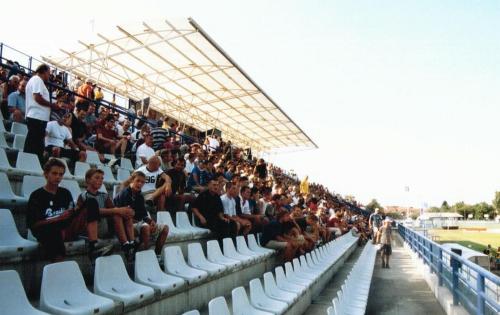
8	88
244	226
166	159
54	219
17	102
79	128
57	136
122	217
198	178
243	210
261	169
144	151
209	211
273	237
144	225
190	164
159	135
90	118
107	140
177	200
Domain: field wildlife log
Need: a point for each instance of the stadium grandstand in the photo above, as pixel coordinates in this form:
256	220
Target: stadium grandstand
132	183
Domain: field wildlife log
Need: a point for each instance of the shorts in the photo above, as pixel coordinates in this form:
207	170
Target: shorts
276	245
154	236
386	249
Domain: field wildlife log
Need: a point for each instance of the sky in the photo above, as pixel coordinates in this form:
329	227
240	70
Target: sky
395	93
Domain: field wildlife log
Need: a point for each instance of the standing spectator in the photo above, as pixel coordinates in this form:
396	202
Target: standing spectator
98	95
107	138
374	223
38	107
57	136
145	226
85	92
159	135
144	151
304	186
386	240
209	210
17	102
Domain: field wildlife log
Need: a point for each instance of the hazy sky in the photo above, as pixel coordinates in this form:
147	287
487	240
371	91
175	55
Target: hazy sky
395	93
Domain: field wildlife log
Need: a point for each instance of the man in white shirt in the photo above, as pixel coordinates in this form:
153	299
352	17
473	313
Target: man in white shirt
244	212
38	107
229	204
57	135
189	157
213	143
144	151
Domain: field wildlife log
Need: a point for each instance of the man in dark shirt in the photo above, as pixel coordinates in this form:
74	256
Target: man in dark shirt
160	135
79	128
209	210
145	226
274	236
177	200
54	219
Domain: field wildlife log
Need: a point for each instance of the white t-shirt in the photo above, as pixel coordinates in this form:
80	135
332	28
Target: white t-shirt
56	134
145	151
213	143
245	206
33	109
189	166
229	205
151	178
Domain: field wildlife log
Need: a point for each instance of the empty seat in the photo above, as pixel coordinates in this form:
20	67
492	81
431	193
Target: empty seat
295	277
18	143
260	300
284	284
303	272
182	222
230	251
93	158
122	174
197	259
30	184
214	254
3	142
126	164
193	312
241	246
2	126
73	187
67	172
176	265
11	243
80	169
28	163
252	244
173	231
112	281
241	304
19	129
64	291
7	196
218	306
12	296
148	272
276	293
108	174
4	161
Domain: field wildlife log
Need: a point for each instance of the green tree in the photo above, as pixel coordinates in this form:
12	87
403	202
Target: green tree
373	205
481	209
434	209
395	215
445	207
496	202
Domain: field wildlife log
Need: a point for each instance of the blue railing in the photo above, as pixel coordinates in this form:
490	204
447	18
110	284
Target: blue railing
472	286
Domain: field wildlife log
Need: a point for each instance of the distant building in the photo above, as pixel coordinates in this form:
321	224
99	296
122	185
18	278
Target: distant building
403	210
445	220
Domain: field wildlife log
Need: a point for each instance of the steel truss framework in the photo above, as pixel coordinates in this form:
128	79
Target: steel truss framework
187	76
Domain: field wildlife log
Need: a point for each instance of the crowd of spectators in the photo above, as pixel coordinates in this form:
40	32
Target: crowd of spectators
226	189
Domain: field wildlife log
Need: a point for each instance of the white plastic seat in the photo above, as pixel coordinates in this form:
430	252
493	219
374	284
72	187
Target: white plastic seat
19	129
12	296
2	126
148	272
67	172
284	284
175	264
163	217
3	142
93	158
241	246
7	196
73	187
80	169
182	222
306	267
18	143
28	163
301	272
255	247
122	174
260	300
4	162
193	312
112	281
126	164
31	183
214	254
272	290
230	251
64	291
218	306
241	304
11	243
108	174
197	259
108	156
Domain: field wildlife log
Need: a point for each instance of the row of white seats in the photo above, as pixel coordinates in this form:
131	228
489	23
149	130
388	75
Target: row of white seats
278	294
352	298
17	143
12	244
15	128
28	163
63	289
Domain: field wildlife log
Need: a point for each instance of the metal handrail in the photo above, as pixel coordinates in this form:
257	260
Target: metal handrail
434	255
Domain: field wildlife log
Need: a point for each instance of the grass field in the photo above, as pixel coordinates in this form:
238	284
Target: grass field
474	240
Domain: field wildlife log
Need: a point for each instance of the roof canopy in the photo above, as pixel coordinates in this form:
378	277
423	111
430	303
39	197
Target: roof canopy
187	76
